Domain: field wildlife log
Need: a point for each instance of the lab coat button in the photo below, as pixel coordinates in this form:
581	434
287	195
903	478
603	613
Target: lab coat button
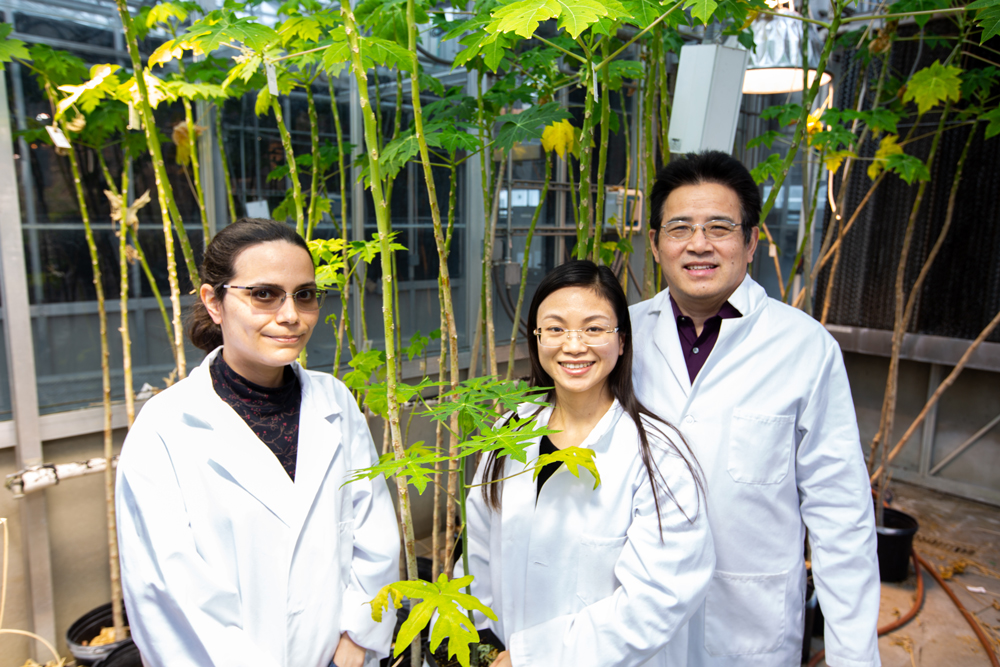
689	419
695	350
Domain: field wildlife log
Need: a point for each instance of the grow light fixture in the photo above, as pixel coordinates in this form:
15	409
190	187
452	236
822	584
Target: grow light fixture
776	66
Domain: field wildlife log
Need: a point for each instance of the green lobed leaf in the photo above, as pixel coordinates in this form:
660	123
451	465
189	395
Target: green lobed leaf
989	20
784	113
511	438
529	124
522	17
771	167
907	167
933	85
766	139
11	48
993	116
702	9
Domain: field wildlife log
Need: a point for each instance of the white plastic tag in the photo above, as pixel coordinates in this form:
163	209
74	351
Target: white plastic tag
57	136
772	250
272	79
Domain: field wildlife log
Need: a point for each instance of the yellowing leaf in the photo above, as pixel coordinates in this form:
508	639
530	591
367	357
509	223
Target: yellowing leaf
560	137
574	458
171	49
886	147
180	138
834	160
933	85
445	598
97	76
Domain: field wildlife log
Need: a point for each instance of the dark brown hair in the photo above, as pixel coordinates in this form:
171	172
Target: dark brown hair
606	286
218	268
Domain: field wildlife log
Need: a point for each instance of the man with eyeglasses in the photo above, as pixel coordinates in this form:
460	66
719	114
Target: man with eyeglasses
760	392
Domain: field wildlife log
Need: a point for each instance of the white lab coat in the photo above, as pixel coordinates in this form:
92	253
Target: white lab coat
582	579
771	420
225	561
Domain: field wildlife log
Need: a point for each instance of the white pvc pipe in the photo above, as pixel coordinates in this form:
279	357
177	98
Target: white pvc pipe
35	478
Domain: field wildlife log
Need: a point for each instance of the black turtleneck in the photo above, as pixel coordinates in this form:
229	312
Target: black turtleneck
272	413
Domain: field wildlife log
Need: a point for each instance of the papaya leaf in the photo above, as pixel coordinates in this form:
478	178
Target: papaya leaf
989	20
522	18
907	167
192	91
162	13
908	6
377	399
979	82
102	84
784	113
833	139
11	48
222	28
509	439
771	167
886	148
475	398
529	124
993	116
447	600
574	458
418	342
643	12
702	9
835	159
933	85
364	364
304	27
766	139
416	468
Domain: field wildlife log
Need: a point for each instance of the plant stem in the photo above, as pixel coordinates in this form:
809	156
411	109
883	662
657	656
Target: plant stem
382	219
225	163
109	476
165	195
293	170
315	181
602	159
648	161
123	299
345	295
195	165
585	224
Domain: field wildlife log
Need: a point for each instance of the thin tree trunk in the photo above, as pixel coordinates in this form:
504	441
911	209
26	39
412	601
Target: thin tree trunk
602	152
900	323
586	222
345	295
313	216
524	267
109	475
626	227
489	341
123	298
649	165
164	192
293	170
225	163
195	166
382	218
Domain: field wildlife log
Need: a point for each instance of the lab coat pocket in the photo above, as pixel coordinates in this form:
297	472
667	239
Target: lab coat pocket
346	550
595	568
745	613
760	447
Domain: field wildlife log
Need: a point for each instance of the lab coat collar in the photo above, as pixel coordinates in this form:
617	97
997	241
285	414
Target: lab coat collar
236	452
668	341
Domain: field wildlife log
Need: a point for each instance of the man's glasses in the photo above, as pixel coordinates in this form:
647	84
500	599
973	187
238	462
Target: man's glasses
271	298
715	230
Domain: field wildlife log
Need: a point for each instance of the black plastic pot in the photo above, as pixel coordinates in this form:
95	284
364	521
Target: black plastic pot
895	543
86	628
126	655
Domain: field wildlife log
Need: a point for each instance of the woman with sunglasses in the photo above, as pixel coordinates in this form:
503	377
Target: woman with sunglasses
578	575
240	545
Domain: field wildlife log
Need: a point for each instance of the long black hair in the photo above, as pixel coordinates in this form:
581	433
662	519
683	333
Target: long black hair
219	266
605	286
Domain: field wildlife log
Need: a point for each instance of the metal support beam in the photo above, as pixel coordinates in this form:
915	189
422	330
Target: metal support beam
965	445
24	391
357	139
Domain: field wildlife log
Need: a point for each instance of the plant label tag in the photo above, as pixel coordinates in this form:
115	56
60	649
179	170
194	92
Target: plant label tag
57	136
772	250
272	79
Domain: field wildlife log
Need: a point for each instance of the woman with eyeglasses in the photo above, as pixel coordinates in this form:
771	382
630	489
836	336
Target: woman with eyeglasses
239	543
579	575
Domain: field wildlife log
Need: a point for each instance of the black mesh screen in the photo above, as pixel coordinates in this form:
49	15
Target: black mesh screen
961	293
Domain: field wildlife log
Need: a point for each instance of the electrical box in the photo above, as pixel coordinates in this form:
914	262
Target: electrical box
707	98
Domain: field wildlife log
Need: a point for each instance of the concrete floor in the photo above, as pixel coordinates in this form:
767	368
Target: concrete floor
955	535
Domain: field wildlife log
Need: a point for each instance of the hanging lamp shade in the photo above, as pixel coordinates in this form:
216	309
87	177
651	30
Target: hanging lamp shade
776	66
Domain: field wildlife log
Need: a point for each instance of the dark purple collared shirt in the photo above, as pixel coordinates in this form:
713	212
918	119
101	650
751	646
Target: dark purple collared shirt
697	348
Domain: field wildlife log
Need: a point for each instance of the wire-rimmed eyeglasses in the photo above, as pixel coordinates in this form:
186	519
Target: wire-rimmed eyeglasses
591	336
271	298
715	230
